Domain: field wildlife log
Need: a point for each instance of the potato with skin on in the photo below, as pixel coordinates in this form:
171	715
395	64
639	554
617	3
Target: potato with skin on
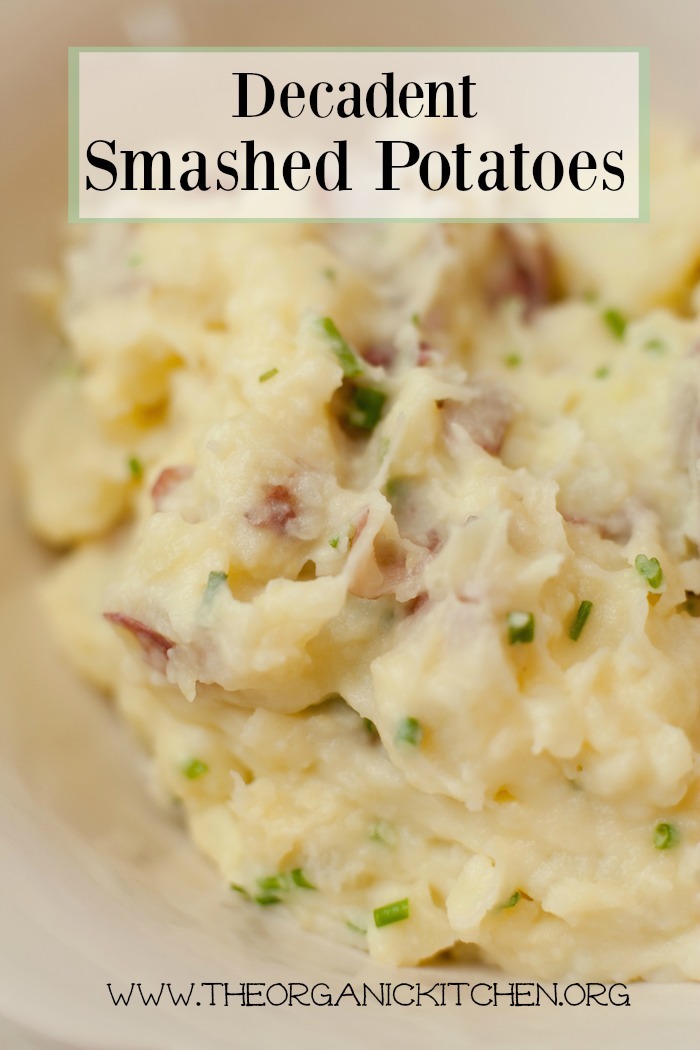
350	648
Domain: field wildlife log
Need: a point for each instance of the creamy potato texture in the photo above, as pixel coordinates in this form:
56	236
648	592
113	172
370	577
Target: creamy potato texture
344	495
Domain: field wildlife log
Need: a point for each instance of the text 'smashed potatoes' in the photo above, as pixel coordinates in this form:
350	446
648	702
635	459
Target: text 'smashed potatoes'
345	495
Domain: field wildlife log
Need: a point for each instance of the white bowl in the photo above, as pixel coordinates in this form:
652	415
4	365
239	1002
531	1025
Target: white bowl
97	885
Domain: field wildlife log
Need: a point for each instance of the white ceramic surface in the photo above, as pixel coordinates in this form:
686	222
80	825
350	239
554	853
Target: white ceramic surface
96	883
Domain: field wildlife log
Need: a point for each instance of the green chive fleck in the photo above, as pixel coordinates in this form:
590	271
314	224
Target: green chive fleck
346	356
415	319
383	832
409	731
512	360
274	883
521	627
329	273
584	611
365	407
512	901
370	726
300	879
665	836
616	322
601	373
654	346
271	372
395	912
265	899
135	467
356	929
194	769
240	889
650	570
395	488
334	541
215	580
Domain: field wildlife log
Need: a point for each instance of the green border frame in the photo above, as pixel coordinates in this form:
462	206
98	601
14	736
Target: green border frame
644	125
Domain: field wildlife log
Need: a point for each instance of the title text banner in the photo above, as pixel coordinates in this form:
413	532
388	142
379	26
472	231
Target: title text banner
447	135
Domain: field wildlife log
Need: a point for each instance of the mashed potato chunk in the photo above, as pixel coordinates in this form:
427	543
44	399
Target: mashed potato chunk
385	539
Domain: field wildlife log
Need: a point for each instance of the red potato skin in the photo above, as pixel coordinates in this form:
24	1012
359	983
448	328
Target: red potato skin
390	561
432	541
426	354
362	520
486	419
275	511
524	270
167	480
154	644
617	527
416	604
380	355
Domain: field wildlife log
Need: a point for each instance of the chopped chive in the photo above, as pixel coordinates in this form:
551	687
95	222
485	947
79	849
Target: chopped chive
194	769
654	346
216	577
512	901
616	322
650	570
334	541
409	731
300	879
215	580
346	356
329	273
601	373
274	883
135	467
665	836
271	372
357	929
393	487
415	319
521	627
584	611
240	889
394	912
383	832
265	899
370	726
365	407
512	360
